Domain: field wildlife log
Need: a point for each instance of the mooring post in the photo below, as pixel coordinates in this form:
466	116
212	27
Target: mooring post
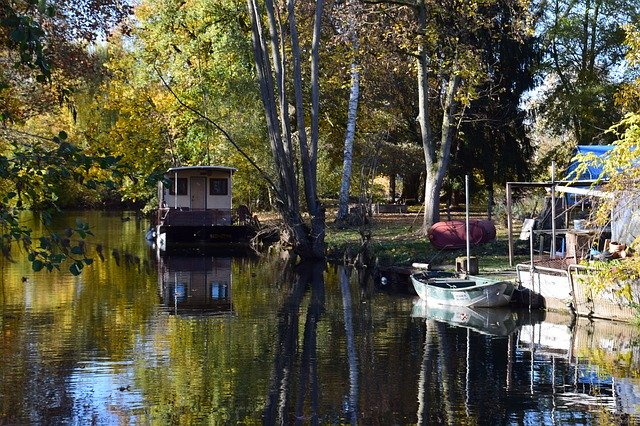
509	224
553	210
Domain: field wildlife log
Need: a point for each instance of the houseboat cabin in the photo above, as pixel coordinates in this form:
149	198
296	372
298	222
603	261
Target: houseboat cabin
196	208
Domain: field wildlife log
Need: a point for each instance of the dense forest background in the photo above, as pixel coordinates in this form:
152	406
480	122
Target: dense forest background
98	98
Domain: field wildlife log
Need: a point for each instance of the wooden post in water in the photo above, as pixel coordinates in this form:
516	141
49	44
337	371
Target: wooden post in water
553	210
509	224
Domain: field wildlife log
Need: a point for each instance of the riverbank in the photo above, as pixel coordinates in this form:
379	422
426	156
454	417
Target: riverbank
396	241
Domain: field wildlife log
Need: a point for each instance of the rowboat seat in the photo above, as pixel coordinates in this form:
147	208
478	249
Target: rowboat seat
449	283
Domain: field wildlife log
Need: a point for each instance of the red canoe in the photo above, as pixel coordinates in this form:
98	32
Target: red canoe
452	234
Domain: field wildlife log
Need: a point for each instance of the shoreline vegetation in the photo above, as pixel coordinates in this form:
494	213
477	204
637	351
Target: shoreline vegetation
395	242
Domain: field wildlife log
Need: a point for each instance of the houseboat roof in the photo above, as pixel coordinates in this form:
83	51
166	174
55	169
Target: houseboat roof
211	168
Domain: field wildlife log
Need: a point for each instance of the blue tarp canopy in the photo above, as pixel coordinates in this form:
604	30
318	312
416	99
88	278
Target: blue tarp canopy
593	170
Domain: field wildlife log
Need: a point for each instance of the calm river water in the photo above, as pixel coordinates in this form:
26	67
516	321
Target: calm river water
189	340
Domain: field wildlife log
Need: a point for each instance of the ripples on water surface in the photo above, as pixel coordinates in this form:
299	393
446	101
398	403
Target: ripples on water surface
136	339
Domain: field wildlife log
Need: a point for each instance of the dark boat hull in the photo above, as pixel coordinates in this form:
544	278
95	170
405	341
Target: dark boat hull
211	237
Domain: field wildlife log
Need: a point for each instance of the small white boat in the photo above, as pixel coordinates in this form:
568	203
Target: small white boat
462	289
471	291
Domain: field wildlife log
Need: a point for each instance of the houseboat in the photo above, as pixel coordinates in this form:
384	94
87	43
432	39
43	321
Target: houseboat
196	210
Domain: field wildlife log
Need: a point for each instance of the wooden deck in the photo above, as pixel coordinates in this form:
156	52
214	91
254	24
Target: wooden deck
201	218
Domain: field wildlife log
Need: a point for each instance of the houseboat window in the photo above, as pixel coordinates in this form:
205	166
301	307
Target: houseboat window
183	184
218	186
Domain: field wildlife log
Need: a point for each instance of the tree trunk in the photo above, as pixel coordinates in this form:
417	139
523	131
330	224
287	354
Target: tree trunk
410	186
343	207
436	162
307	240
392	187
428	144
490	201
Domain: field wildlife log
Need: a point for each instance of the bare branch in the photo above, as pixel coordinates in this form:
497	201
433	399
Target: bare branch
217	126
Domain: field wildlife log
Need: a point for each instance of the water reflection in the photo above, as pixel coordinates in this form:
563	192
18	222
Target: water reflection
197	285
598	362
309	344
456	387
306	276
512	367
493	321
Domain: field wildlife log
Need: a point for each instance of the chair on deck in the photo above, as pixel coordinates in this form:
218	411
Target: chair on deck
243	215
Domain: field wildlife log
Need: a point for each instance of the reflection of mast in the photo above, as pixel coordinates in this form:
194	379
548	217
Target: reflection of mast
347	308
510	351
467	374
447	376
425	372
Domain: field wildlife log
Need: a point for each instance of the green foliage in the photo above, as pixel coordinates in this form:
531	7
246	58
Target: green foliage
618	275
25	35
129	113
584	52
492	138
621	169
31	170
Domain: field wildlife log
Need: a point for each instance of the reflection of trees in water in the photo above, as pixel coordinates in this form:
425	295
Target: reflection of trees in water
352	405
307	274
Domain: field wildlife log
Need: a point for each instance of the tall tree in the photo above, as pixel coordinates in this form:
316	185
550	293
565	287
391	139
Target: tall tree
271	62
584	54
43	51
493	139
442	39
351	12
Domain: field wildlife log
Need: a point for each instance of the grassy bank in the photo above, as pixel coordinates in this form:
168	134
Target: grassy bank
396	240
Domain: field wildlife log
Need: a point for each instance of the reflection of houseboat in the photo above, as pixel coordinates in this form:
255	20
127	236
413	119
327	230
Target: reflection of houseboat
196	208
196	285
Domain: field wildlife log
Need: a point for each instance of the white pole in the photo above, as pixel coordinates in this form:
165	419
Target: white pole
467	236
175	190
553	210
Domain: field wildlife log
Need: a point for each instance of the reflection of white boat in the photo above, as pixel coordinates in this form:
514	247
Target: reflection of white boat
493	321
471	291
196	285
